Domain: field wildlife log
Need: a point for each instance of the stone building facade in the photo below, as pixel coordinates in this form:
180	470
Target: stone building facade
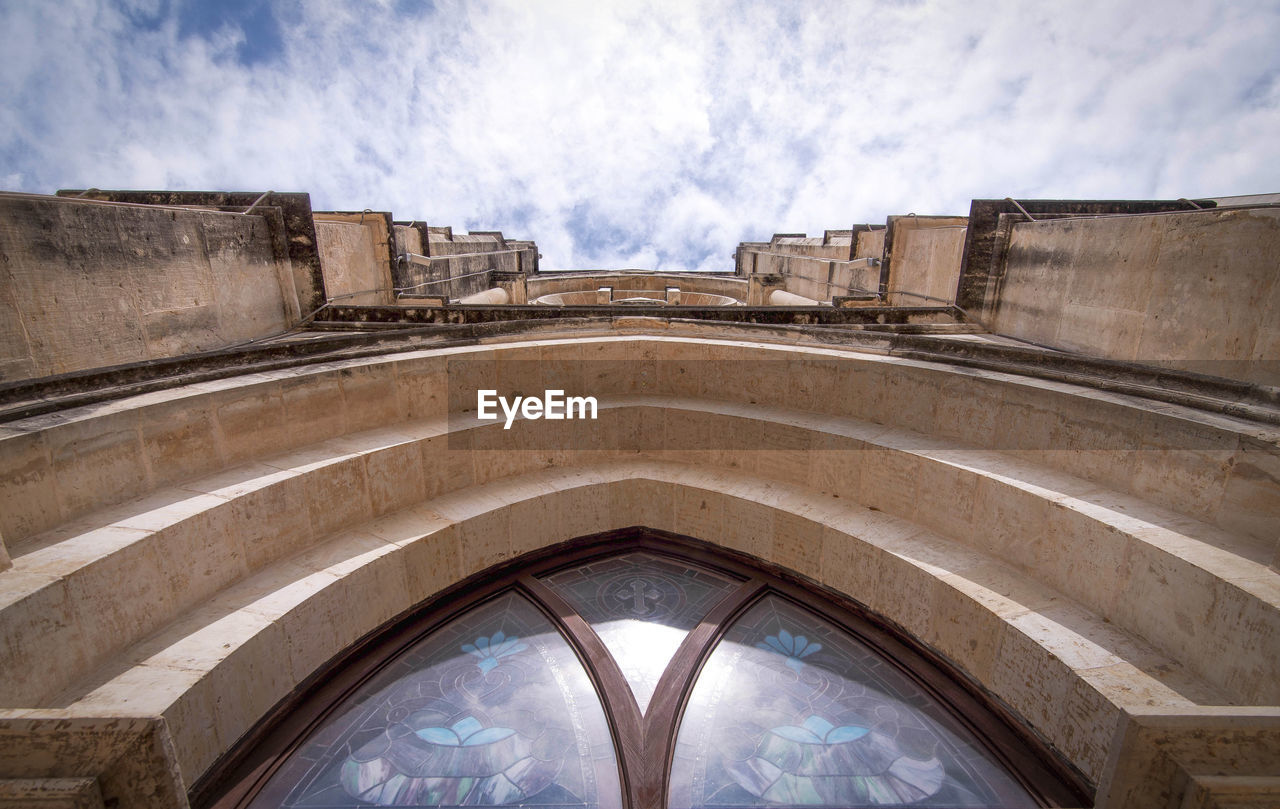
1038	446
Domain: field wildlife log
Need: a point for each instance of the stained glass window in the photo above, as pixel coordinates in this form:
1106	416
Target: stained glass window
732	689
642	606
493	708
790	710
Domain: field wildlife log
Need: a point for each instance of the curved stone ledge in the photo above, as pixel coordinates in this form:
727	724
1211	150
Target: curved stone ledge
1203	596
218	668
1215	468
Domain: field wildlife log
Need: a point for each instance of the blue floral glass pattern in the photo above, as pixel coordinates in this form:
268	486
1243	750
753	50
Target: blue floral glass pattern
790	710
642	605
489	650
796	649
491	709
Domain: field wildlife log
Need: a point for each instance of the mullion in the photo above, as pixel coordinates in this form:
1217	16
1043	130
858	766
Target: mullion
666	708
611	685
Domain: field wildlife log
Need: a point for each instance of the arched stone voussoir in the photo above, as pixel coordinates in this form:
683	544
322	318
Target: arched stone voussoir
57	468
1110	552
219	668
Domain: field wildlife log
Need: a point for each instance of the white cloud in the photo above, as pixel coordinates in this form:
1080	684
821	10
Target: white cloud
642	133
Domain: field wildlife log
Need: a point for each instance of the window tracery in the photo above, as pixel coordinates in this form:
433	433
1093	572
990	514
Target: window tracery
660	675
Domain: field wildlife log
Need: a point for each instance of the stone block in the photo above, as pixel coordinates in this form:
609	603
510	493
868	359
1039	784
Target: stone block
837	467
1251	497
967	409
180	440
1033	682
519	370
97	462
236	656
273	521
1175	606
341	610
433	561
119	599
783	453
700	513
889	481
338	495
1087	723
1244	633
42	646
562	369
1178	468
313	407
944	496
485	540
1031	420
182	696
251	421
50	793
28	494
422	388
447	462
1001	589
395	477
907	398
130	757
201	554
1008	522
797	544
534	524
370	396
851	390
964	630
903	592
747	527
850	565
1081	557
583	507
655	501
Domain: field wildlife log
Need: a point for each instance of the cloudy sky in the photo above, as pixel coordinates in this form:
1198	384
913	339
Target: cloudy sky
643	134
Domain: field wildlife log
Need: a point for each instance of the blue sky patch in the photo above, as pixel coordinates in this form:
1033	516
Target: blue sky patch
255	19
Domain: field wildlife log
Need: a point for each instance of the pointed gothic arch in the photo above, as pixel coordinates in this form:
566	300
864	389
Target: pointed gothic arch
978	754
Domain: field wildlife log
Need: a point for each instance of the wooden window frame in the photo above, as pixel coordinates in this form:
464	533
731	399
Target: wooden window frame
644	743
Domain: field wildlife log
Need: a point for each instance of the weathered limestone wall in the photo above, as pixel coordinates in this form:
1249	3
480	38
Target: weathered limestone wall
822	280
449	278
990	220
870	244
528	258
92	284
471	259
410	239
817	269
812	247
812	277
355	254
289	213
1198	291
924	259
